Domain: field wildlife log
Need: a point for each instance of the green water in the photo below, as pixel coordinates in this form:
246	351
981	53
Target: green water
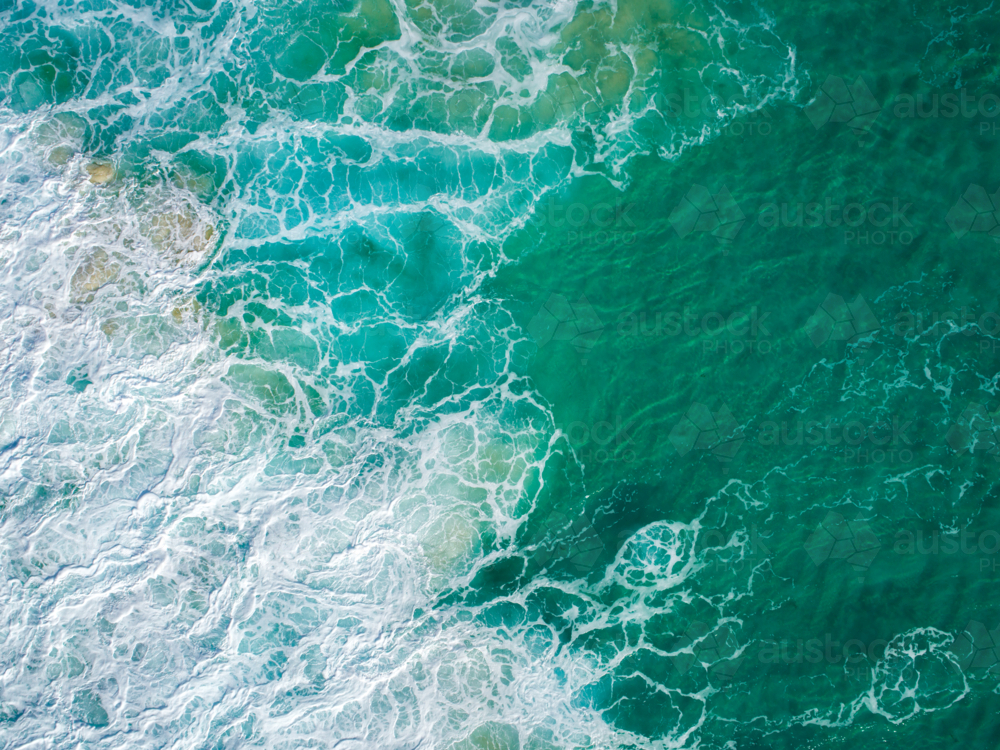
466	375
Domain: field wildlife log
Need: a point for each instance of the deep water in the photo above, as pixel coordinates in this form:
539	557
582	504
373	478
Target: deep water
499	375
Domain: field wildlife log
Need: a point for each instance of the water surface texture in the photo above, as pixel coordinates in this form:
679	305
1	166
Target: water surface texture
499	375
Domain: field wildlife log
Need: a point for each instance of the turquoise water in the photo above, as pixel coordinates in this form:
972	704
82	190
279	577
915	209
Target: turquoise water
456	374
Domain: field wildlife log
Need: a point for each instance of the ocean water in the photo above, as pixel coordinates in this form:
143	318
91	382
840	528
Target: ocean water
499	375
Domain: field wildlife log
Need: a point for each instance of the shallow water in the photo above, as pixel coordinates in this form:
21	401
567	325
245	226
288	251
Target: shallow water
456	374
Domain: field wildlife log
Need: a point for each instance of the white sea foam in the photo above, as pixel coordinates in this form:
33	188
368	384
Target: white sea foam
244	500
